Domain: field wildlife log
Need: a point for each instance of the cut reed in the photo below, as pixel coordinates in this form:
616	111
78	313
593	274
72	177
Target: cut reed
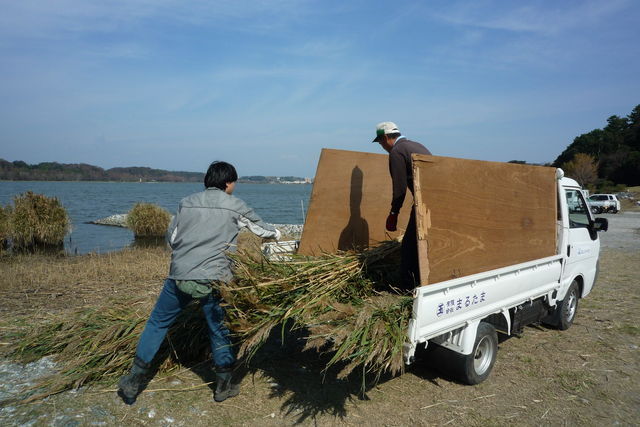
345	301
344	304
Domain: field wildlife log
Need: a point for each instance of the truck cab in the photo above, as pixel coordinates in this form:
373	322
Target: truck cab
581	245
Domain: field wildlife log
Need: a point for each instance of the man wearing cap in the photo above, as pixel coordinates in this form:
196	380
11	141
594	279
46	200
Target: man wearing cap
400	149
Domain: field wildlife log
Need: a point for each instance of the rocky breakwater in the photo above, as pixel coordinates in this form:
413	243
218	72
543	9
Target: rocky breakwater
117	220
120	220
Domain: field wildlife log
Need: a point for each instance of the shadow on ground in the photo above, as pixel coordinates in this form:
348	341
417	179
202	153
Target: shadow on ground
298	377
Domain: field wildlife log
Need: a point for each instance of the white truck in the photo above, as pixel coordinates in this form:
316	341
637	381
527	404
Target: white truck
465	314
601	203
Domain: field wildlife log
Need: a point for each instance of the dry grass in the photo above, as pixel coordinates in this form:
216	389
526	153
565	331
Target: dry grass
40	284
148	220
5	213
37	220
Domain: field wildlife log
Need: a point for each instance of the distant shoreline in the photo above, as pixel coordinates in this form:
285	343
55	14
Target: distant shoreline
153	182
80	172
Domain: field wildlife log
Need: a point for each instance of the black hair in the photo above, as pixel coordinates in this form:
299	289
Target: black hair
219	174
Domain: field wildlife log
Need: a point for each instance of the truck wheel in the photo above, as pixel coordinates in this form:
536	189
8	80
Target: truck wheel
595	210
568	307
476	367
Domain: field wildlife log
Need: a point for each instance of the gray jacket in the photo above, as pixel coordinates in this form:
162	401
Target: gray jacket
206	228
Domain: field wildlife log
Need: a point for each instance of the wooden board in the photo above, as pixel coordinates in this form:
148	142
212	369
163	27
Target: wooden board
474	216
349	204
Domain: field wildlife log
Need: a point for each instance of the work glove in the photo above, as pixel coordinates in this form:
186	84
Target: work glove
392	222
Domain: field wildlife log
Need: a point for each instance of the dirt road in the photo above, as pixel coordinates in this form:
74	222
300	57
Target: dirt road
587	375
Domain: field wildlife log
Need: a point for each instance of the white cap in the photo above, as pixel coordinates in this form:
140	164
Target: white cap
385	128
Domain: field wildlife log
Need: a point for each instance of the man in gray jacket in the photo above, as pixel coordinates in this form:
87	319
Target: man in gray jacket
401	169
201	234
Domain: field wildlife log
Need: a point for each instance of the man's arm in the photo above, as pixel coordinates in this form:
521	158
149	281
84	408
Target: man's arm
398	170
172	230
257	226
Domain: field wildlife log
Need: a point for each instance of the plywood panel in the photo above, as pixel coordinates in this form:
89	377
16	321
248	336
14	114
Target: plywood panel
475	216
349	204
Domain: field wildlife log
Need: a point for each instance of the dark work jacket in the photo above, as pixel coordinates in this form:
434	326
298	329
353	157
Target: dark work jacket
401	169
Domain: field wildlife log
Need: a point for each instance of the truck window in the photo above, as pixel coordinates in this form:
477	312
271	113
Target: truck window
578	210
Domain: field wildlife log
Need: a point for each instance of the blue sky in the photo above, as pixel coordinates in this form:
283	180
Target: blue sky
266	84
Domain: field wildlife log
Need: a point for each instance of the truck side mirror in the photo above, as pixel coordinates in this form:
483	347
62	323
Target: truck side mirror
601	224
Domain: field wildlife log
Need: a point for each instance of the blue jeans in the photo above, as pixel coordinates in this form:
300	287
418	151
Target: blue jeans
168	306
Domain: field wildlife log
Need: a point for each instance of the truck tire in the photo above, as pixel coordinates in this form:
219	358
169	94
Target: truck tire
567	308
476	367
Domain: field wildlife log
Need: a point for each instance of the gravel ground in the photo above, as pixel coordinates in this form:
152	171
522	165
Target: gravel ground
624	231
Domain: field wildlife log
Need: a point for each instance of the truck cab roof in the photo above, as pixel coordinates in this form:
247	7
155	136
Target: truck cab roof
568	182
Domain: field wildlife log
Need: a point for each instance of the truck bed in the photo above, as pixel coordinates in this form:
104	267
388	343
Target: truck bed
447	307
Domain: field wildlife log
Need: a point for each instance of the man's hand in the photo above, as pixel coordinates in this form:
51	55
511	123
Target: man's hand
392	222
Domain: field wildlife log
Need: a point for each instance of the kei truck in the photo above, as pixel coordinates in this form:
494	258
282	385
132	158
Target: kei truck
500	245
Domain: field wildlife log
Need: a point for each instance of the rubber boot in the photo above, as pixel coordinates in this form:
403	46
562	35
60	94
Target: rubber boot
225	386
129	385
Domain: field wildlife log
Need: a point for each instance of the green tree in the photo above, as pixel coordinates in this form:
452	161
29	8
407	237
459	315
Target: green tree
632	136
614	148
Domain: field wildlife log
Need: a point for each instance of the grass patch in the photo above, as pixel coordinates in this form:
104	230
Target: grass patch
148	220
37	220
575	381
5	231
628	329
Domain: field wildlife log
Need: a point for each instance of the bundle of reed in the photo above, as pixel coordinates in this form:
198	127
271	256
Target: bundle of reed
97	346
338	299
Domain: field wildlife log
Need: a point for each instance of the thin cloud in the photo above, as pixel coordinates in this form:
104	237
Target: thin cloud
325	49
72	18
544	18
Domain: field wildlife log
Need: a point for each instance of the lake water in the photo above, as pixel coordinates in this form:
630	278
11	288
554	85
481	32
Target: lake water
89	201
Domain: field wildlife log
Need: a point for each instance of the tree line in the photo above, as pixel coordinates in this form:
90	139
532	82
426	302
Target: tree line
605	157
52	171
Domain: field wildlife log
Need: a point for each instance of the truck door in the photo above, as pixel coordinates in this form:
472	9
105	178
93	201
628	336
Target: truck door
583	244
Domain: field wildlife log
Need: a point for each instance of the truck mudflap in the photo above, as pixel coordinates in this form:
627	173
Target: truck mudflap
449	313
